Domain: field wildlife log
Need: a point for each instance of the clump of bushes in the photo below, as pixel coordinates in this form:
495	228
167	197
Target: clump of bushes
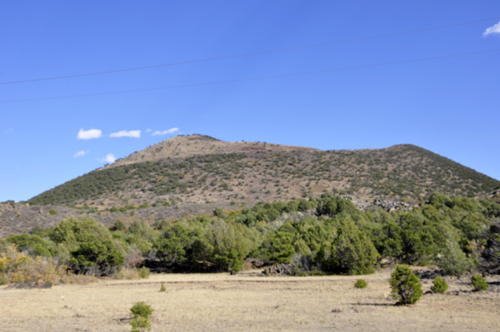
53	212
16	267
361	284
478	283
406	287
439	285
141	313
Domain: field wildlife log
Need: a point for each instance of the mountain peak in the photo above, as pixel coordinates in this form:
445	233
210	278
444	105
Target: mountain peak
183	146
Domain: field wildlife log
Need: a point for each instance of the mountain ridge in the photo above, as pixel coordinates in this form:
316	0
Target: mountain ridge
201	169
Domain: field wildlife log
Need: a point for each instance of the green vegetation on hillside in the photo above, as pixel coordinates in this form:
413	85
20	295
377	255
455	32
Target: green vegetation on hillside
324	235
405	171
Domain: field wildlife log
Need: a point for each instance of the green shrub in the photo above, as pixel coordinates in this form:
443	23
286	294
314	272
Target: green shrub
91	246
478	283
352	252
453	261
119	225
162	287
144	272
406	287
141	313
439	285
53	212
361	284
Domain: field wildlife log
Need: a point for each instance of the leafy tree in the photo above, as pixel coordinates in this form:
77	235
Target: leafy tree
282	248
92	248
406	287
352	252
173	243
453	260
32	244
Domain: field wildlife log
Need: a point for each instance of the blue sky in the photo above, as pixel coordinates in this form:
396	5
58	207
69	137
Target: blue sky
447	105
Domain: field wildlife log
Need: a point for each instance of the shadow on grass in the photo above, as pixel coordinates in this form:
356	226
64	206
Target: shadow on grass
375	304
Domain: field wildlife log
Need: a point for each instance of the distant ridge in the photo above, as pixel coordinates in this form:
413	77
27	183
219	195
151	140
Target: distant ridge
201	169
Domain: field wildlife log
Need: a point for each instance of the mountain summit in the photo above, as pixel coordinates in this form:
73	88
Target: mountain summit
186	146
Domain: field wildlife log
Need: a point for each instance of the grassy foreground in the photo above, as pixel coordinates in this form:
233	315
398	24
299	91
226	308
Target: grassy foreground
220	302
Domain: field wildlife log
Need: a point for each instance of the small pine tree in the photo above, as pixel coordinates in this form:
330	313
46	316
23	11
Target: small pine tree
141	313
361	284
439	285
478	283
162	288
406	287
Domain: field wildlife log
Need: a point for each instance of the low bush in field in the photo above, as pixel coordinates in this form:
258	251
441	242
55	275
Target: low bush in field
406	287
439	285
141	313
478	283
361	284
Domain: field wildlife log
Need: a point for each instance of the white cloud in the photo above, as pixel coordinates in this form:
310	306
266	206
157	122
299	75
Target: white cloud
8	131
124	133
165	132
110	158
80	154
149	130
492	30
89	134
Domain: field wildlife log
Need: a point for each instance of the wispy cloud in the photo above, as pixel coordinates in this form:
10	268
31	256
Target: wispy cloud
89	134
110	158
80	154
8	131
165	132
492	30
124	133
149	130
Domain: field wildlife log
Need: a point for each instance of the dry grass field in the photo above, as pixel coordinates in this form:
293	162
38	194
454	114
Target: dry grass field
220	302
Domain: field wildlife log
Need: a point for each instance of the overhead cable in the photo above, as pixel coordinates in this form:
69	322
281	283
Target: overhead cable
259	78
245	54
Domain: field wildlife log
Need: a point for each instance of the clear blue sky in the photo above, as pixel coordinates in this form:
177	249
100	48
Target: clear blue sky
450	106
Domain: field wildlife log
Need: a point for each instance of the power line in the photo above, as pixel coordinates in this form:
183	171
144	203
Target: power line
258	78
246	54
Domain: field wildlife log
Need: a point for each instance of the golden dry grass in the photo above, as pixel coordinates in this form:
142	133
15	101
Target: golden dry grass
220	302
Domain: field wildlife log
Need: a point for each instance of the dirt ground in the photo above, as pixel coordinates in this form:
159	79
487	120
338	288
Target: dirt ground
220	302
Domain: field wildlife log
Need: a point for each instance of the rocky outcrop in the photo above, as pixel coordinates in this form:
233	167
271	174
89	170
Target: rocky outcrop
393	205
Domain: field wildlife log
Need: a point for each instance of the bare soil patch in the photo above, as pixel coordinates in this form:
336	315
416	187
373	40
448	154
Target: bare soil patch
245	302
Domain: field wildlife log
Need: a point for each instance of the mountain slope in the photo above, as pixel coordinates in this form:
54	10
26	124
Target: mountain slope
201	169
